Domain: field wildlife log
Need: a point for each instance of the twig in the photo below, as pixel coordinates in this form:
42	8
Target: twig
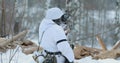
13	55
116	45
1	58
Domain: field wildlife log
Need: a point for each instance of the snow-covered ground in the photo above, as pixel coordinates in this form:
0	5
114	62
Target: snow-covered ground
22	58
89	59
28	59
84	60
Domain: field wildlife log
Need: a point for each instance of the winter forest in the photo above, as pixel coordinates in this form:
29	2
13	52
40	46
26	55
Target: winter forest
92	23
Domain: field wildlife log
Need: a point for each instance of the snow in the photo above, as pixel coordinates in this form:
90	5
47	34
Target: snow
22	58
90	60
28	59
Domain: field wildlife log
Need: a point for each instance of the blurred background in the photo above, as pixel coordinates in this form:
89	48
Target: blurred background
88	19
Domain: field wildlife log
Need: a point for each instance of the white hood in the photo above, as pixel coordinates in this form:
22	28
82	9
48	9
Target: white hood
53	13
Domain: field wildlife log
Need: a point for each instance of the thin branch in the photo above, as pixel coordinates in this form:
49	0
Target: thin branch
1	58
13	54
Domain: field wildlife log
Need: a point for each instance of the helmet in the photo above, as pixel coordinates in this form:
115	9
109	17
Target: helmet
54	13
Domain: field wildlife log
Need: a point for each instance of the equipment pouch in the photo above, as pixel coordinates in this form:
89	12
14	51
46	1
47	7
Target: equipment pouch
50	59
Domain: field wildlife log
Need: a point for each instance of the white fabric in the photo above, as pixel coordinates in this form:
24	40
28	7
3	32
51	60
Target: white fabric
52	34
54	13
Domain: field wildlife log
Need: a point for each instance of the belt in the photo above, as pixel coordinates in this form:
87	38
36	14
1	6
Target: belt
53	53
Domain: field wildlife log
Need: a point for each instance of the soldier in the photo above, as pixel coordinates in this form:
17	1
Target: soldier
53	38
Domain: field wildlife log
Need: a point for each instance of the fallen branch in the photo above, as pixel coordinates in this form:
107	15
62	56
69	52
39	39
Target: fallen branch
82	51
101	42
28	47
116	45
108	54
4	42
